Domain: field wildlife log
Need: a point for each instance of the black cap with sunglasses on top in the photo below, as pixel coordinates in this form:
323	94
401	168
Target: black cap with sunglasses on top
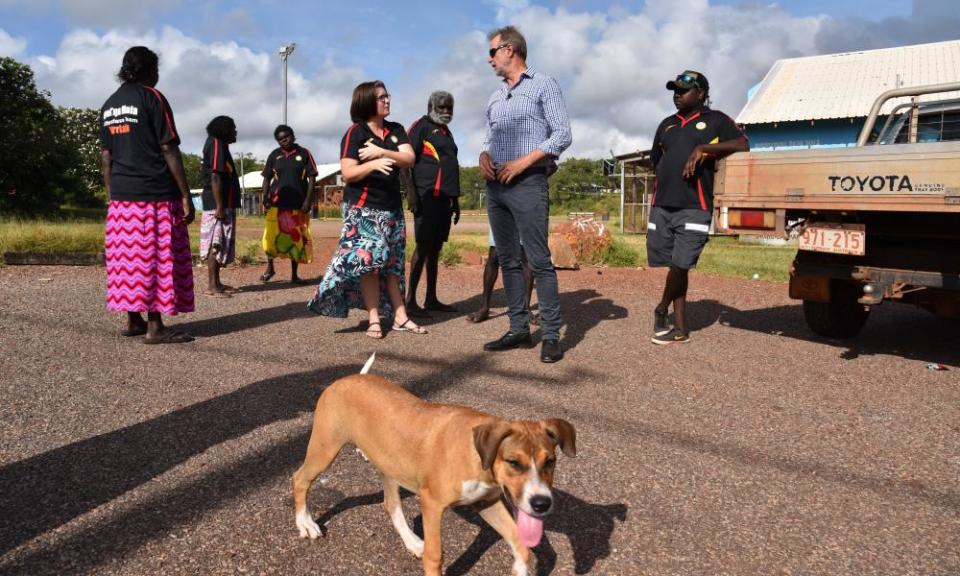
689	79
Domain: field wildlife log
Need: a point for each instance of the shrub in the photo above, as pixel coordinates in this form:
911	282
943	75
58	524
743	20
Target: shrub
621	255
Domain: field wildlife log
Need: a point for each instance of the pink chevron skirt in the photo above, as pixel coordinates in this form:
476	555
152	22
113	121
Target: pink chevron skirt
149	264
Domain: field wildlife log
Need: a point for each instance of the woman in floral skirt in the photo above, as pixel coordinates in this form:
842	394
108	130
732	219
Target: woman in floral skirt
367	270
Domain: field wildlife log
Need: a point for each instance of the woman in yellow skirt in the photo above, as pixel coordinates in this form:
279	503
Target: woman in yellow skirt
288	179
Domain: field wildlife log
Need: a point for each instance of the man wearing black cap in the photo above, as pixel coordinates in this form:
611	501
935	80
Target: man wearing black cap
685	151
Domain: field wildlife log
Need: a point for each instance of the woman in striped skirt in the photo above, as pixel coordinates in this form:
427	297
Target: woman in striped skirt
149	265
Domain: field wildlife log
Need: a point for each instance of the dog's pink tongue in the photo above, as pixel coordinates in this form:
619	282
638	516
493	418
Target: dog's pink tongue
529	529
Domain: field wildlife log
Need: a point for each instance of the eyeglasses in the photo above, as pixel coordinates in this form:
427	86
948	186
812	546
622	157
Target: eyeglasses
688	79
383	98
493	51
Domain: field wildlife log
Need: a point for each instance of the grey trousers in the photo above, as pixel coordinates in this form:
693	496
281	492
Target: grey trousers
520	212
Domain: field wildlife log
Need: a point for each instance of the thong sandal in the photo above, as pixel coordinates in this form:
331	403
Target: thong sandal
375	333
134	332
169	337
266	276
408	326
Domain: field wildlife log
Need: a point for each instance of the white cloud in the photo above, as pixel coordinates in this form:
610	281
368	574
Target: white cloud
611	64
10	46
203	80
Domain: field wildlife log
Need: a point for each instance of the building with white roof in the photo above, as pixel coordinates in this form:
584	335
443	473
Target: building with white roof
823	101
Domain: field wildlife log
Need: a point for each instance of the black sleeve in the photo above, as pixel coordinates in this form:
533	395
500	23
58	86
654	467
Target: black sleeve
104	135
401	134
311	163
267	171
218	156
727	129
656	149
416	137
161	119
350	145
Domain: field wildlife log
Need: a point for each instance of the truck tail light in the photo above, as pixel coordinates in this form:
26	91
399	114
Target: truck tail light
754	219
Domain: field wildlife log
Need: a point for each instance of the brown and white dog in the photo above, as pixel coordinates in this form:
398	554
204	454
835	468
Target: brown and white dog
448	455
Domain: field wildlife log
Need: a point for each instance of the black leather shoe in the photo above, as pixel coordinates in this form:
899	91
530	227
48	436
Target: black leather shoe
509	341
550	351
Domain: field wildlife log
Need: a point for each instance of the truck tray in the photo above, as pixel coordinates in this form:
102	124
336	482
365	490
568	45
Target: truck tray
898	177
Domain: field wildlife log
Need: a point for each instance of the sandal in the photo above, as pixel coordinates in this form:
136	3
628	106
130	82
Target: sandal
375	333
408	326
266	276
169	337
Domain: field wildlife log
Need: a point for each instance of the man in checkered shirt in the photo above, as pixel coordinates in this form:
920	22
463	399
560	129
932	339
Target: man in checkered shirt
527	129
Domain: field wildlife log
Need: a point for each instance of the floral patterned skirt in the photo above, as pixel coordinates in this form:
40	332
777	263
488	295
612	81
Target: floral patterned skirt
371	241
286	234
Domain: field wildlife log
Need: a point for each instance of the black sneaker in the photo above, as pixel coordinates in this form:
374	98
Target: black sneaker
674	336
660	324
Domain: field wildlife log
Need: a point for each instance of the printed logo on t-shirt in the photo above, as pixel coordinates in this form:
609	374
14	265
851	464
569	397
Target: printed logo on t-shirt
299	158
118	120
701	125
394	139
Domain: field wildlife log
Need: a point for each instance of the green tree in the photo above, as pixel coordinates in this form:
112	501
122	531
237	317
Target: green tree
247	163
576	176
34	158
192	164
472	185
80	136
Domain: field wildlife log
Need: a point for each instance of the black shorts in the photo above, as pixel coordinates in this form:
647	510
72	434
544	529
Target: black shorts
676	236
431	225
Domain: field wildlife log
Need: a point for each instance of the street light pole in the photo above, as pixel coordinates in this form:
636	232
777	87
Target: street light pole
285	52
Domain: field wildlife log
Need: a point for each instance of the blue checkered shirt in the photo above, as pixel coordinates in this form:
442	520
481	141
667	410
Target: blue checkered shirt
531	115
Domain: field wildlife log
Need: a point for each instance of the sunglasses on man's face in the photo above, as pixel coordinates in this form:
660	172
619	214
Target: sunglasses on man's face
687	79
493	51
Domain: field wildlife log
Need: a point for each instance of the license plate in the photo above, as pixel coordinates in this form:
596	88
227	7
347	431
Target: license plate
834	238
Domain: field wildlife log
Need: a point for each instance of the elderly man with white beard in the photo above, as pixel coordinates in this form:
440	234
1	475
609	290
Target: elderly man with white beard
432	196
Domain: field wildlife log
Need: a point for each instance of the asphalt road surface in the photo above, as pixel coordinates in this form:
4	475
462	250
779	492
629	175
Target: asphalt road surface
756	448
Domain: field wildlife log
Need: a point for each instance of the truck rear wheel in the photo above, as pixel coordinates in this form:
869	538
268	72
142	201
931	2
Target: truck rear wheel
842	317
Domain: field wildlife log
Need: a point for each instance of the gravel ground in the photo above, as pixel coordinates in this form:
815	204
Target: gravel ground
755	449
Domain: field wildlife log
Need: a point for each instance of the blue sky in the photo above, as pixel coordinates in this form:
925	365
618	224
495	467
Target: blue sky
611	58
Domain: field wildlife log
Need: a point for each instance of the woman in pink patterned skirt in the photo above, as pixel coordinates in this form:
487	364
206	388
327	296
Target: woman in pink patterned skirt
149	265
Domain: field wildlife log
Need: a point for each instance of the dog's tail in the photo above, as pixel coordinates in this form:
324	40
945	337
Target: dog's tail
366	367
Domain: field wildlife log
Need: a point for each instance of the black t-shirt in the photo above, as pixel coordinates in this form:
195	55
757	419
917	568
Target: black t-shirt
134	122
289	172
436	170
378	190
217	158
673	143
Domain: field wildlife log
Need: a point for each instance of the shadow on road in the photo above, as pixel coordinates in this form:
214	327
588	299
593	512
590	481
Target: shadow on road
892	329
240	321
582	311
588	527
49	490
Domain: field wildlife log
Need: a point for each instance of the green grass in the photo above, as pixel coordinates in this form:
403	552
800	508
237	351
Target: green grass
50	237
726	256
723	256
622	255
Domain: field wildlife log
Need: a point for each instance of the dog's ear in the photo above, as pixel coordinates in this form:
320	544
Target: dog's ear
487	439
563	433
